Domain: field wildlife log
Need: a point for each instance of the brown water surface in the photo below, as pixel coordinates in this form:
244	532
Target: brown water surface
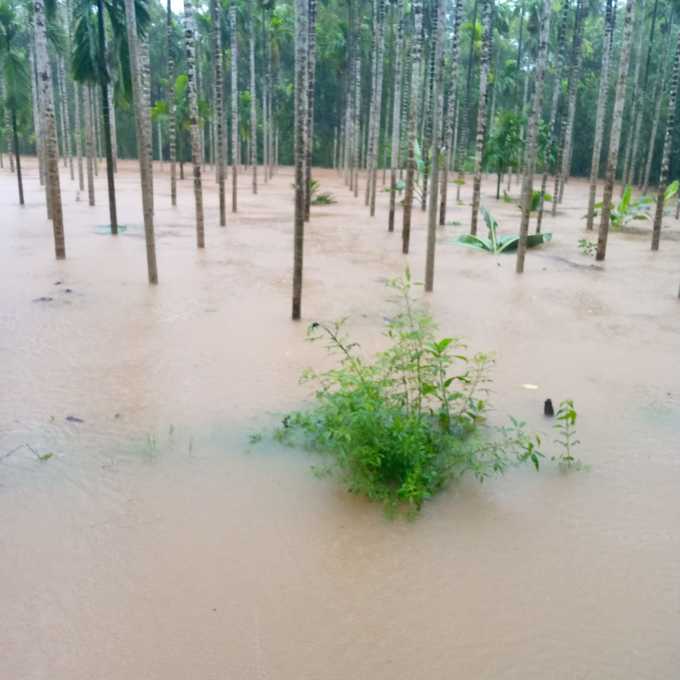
157	543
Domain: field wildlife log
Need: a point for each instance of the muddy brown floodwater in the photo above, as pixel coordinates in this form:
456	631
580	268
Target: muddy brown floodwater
156	543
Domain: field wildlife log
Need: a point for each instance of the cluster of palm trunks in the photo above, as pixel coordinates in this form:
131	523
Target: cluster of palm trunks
406	101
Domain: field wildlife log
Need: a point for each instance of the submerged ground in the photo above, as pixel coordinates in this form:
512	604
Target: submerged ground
157	543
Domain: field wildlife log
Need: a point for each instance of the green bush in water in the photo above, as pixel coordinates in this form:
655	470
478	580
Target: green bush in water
398	427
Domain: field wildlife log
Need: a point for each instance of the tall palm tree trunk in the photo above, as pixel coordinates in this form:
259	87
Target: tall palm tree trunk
253	101
427	109
465	122
667	148
4	138
635	101
15	144
78	95
172	106
104	88
532	135
481	112
311	81
396	112
658	98
554	107
356	126
95	129
216	11
66	117
411	167
146	91
565	169
452	110
196	160
615	137
438	105
89	145
378	105
600	113
114	132
36	114
46	96
234	109
301	120
142	145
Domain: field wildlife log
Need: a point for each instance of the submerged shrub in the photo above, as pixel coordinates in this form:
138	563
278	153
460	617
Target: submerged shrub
398	427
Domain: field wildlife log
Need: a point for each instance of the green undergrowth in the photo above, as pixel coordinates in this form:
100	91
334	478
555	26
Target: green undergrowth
400	426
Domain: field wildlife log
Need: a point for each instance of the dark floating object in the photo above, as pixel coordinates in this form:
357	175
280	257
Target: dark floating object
548	409
74	419
68	290
57	283
43	298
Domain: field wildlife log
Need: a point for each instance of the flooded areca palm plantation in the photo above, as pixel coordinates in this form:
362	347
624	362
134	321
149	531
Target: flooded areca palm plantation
152	527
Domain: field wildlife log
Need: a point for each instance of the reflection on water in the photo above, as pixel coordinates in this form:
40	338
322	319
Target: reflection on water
156	542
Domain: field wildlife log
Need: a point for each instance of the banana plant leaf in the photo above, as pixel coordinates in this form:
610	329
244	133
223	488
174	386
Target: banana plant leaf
504	244
498	244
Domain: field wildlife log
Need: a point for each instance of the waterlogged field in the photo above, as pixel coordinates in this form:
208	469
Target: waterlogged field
157	541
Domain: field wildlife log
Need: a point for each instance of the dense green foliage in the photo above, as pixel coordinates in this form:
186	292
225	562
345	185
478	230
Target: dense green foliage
343	26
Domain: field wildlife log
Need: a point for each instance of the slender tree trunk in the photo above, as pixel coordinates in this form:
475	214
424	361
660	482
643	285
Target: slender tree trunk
658	98
631	143
5	137
146	90
89	144
600	113
554	108
253	100
36	116
452	110
301	120
615	137
68	141
234	109
172	110
565	169
190	47
417	10
427	108
378	106
356	127
15	139
60	105
142	145
465	122
45	80
438	105
104	89
311	80
114	131
216	12
265	94
481	112
638	177
78	134
95	128
532	135
667	148
396	112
